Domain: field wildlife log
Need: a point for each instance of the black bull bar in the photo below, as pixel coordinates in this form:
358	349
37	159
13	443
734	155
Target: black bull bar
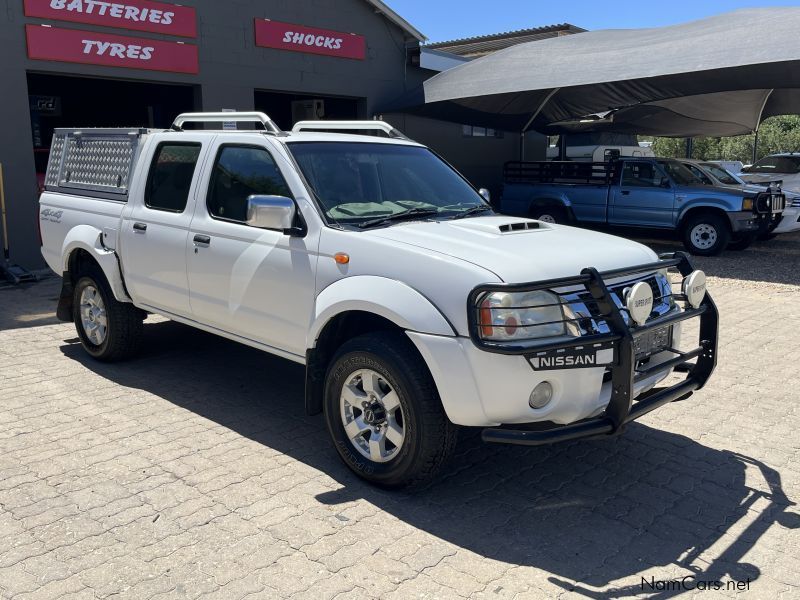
621	336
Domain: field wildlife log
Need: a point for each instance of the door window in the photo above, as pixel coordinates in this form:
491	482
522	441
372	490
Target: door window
698	172
240	172
170	176
641	174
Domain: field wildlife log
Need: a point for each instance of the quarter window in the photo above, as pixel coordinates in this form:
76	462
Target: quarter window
171	176
241	172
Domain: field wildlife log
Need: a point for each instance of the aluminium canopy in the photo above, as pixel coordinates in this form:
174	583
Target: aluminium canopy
716	76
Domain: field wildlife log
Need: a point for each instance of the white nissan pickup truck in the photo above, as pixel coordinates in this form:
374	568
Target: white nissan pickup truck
363	255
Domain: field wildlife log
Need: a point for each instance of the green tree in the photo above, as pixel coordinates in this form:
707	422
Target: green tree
776	134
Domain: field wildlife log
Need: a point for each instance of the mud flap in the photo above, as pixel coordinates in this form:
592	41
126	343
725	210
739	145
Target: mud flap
64	310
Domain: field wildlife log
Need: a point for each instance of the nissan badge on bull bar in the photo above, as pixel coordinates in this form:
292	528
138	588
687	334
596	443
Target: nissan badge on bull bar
594	355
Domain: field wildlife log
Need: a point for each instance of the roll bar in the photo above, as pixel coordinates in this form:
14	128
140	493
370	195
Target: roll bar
226	117
348	126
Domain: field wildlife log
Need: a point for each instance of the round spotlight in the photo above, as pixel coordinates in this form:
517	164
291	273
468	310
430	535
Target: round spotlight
541	395
639	302
694	288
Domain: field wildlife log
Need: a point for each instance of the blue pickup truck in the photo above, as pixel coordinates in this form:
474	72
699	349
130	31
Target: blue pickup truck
639	193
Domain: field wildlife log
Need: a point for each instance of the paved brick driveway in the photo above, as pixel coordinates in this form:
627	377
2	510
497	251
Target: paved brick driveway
192	471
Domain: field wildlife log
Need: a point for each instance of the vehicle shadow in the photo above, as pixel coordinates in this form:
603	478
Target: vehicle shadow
589	513
772	261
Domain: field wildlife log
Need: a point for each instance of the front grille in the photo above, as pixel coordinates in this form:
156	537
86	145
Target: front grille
778	203
587	312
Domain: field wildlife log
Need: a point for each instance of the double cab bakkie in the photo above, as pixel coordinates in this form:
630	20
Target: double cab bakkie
651	193
347	248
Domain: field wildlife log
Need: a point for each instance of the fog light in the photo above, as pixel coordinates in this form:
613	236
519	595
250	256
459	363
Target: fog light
541	395
694	288
639	302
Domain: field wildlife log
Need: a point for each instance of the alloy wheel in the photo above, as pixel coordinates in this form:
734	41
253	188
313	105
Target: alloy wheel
372	415
93	315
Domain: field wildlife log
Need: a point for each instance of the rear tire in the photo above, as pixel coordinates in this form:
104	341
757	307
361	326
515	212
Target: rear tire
384	413
550	214
109	330
706	234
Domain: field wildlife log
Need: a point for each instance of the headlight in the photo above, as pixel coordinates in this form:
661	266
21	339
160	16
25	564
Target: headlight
747	204
520	316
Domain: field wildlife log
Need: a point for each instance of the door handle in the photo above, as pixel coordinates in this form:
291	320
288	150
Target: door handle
140	227
202	240
626	192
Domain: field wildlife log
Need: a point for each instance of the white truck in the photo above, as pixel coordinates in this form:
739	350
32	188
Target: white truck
414	308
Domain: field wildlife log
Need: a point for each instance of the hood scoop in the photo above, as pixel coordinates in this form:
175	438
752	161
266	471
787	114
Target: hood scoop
519	226
499	225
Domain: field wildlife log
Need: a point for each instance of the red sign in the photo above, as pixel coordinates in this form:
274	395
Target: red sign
299	38
141	15
111	50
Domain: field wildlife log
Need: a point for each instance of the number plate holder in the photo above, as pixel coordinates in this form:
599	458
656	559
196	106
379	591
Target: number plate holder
577	357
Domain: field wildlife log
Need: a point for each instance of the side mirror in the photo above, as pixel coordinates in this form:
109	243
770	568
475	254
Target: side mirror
271	212
665	183
486	195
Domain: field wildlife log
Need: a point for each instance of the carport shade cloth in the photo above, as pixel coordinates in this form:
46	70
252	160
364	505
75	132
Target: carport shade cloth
717	76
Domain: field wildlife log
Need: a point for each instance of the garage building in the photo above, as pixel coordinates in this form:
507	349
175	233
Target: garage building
121	63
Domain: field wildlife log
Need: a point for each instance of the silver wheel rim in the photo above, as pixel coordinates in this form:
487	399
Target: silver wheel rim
547	219
372	416
703	236
93	315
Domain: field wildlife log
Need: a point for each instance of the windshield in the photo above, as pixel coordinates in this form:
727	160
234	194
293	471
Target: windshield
723	175
357	181
679	173
777	164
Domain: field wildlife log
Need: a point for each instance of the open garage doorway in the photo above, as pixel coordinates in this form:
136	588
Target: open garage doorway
67	101
287	108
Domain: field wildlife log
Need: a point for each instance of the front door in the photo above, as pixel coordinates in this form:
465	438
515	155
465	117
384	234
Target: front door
156	226
254	283
645	196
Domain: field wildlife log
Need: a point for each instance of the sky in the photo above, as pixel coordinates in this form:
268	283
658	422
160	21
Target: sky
442	20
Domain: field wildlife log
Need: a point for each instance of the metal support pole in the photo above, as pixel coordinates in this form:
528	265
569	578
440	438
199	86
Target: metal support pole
755	147
689	147
3	217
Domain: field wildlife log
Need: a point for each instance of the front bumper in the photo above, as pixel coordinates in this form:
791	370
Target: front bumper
745	221
626	373
790	221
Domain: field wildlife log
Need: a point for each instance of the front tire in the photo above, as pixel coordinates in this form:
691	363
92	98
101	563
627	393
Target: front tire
109	330
742	241
384	413
706	234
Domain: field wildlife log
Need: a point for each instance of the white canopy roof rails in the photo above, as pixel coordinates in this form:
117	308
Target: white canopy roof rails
226	117
348	126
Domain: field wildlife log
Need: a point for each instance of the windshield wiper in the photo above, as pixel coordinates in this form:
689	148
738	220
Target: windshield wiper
411	212
473	211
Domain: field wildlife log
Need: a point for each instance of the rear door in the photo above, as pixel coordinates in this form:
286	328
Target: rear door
156	226
255	283
645	196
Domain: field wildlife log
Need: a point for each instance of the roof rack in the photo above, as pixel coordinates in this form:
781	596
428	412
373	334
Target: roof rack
226	117
349	126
